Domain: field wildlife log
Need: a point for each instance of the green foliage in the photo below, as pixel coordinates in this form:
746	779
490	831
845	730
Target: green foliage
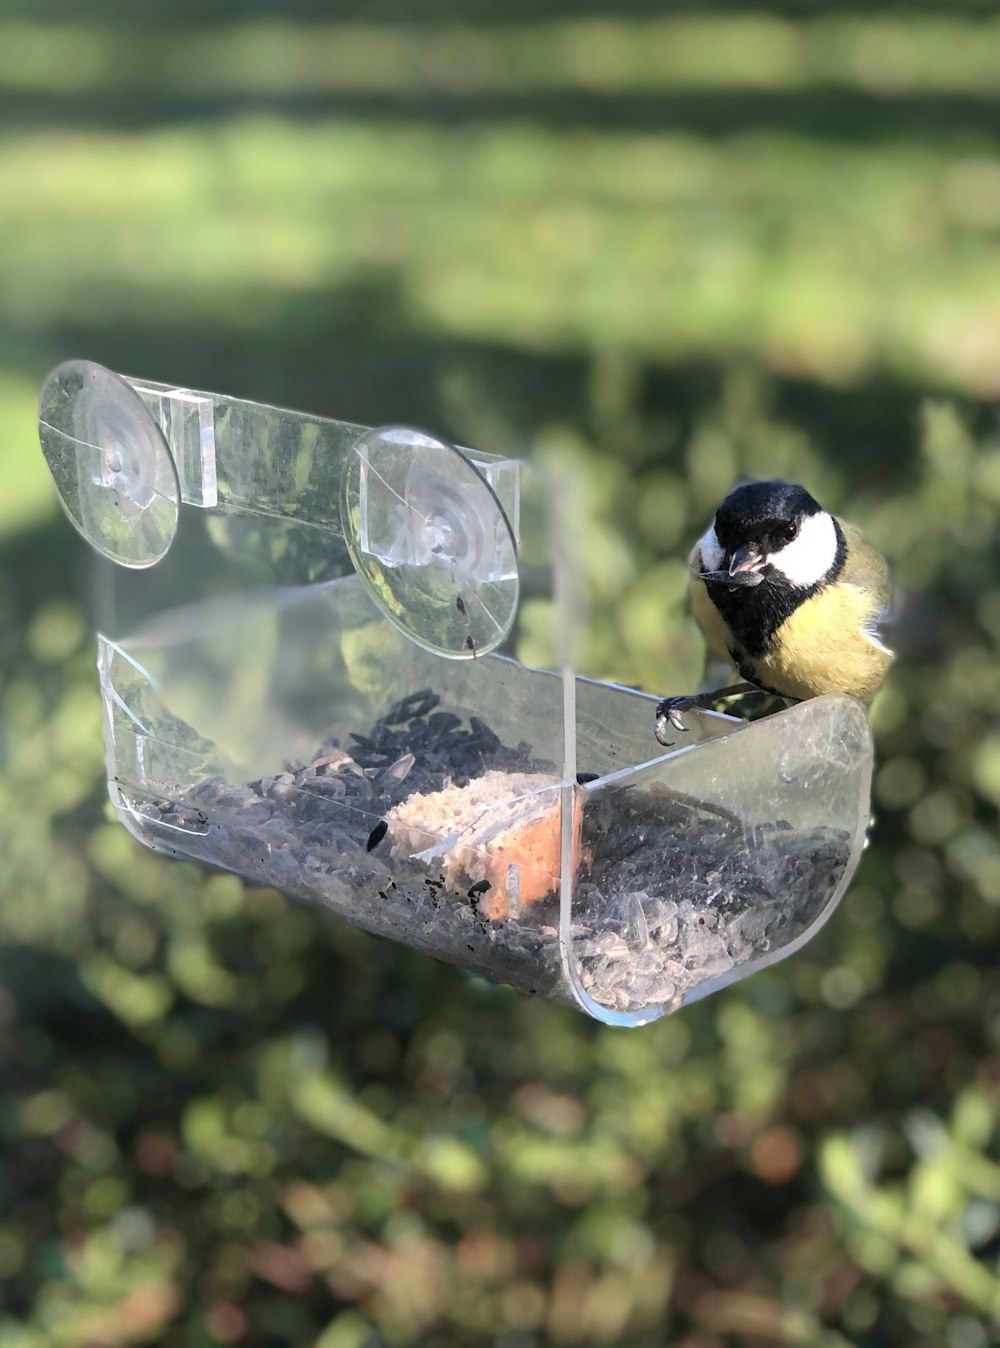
665	249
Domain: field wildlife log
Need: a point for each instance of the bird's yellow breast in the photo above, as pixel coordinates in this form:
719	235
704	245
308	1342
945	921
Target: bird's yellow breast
825	647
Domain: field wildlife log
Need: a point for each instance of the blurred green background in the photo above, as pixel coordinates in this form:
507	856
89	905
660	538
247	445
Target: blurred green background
676	245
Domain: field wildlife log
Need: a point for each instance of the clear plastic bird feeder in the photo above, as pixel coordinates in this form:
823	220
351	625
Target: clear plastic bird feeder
302	681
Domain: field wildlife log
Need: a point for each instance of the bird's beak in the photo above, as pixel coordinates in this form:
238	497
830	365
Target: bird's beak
746	559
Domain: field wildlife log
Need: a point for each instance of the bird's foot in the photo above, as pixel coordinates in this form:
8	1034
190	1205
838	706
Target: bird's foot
670	710
668	713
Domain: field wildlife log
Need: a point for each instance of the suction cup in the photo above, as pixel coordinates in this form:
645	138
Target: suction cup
428	534
110	463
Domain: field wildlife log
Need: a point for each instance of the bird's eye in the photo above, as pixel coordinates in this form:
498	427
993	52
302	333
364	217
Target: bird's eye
790	530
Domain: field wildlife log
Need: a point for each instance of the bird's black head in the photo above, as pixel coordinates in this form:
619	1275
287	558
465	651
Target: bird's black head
771	531
764	515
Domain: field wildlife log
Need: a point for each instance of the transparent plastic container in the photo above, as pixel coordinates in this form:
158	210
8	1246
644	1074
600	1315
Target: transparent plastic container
301	656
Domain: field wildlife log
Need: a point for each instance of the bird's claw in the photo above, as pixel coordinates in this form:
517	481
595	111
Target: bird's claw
668	712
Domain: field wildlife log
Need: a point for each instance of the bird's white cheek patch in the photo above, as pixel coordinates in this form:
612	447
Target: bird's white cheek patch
810	555
711	550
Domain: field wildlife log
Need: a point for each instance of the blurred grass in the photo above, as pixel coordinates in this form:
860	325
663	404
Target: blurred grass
879	54
672	249
659	245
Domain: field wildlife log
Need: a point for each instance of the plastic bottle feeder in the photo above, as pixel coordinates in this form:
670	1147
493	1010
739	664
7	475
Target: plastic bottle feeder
302	683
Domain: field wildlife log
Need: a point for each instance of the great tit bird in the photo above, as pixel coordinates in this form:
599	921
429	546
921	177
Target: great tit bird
792	596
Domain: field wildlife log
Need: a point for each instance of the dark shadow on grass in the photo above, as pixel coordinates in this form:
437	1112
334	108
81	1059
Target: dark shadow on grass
821	113
487	13
351	353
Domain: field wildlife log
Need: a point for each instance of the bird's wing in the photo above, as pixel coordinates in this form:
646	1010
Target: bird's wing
704	612
868	571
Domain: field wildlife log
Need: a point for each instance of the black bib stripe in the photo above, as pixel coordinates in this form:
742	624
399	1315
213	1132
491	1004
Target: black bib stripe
753	615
